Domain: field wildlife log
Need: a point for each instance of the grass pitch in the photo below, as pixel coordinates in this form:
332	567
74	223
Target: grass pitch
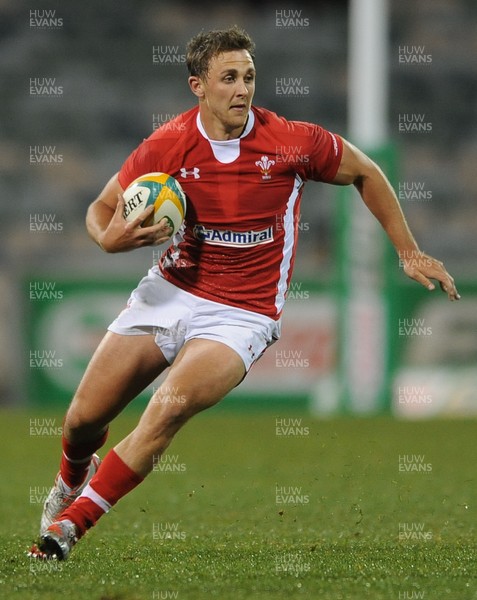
243	510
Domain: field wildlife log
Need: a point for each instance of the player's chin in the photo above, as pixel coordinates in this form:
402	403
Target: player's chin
237	119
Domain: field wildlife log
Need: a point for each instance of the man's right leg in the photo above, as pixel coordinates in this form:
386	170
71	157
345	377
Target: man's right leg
202	374
119	370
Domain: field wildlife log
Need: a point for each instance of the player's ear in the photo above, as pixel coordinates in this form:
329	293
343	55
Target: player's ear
197	86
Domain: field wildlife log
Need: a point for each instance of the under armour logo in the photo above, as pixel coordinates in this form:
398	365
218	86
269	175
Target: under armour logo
194	172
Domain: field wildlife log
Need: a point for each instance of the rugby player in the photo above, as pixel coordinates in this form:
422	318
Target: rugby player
212	305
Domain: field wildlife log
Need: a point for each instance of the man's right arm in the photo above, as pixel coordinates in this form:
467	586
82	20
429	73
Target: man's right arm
109	229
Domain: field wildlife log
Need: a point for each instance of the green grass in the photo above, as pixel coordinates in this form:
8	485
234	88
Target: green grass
341	539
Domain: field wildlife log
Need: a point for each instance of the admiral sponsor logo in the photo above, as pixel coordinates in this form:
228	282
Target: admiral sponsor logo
227	237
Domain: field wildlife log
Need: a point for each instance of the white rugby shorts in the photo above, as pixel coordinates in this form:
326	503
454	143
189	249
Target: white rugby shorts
174	316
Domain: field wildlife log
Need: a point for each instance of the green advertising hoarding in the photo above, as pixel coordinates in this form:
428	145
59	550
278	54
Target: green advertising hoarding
65	320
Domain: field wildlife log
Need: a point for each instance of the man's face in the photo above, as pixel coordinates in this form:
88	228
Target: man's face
228	90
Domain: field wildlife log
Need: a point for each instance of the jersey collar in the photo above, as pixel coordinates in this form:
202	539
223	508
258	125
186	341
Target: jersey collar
248	128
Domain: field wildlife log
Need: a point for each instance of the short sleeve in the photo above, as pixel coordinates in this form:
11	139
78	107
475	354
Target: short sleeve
325	155
139	162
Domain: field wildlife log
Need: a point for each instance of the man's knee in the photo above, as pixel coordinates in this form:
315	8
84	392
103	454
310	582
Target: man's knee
79	424
170	408
180	403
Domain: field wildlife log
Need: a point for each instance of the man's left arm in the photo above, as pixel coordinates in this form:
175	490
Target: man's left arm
377	193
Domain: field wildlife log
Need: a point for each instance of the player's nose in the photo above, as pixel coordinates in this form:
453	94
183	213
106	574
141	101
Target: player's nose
242	89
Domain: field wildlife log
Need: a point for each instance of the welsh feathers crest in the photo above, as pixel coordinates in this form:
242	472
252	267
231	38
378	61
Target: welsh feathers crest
265	165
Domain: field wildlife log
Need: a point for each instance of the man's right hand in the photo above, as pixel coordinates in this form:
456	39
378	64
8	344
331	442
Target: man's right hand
121	235
110	230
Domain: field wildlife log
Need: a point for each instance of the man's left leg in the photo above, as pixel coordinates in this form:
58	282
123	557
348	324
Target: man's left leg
203	373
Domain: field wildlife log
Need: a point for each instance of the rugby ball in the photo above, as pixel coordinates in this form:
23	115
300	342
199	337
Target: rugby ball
161	190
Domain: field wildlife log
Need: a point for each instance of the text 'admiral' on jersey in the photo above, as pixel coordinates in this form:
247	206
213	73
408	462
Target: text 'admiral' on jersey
227	237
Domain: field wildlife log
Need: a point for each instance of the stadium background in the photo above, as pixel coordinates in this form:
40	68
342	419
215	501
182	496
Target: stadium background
266	504
115	71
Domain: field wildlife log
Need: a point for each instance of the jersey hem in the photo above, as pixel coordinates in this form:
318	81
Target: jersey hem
214	299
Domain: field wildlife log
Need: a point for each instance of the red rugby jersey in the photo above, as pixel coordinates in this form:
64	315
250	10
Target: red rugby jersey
237	244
